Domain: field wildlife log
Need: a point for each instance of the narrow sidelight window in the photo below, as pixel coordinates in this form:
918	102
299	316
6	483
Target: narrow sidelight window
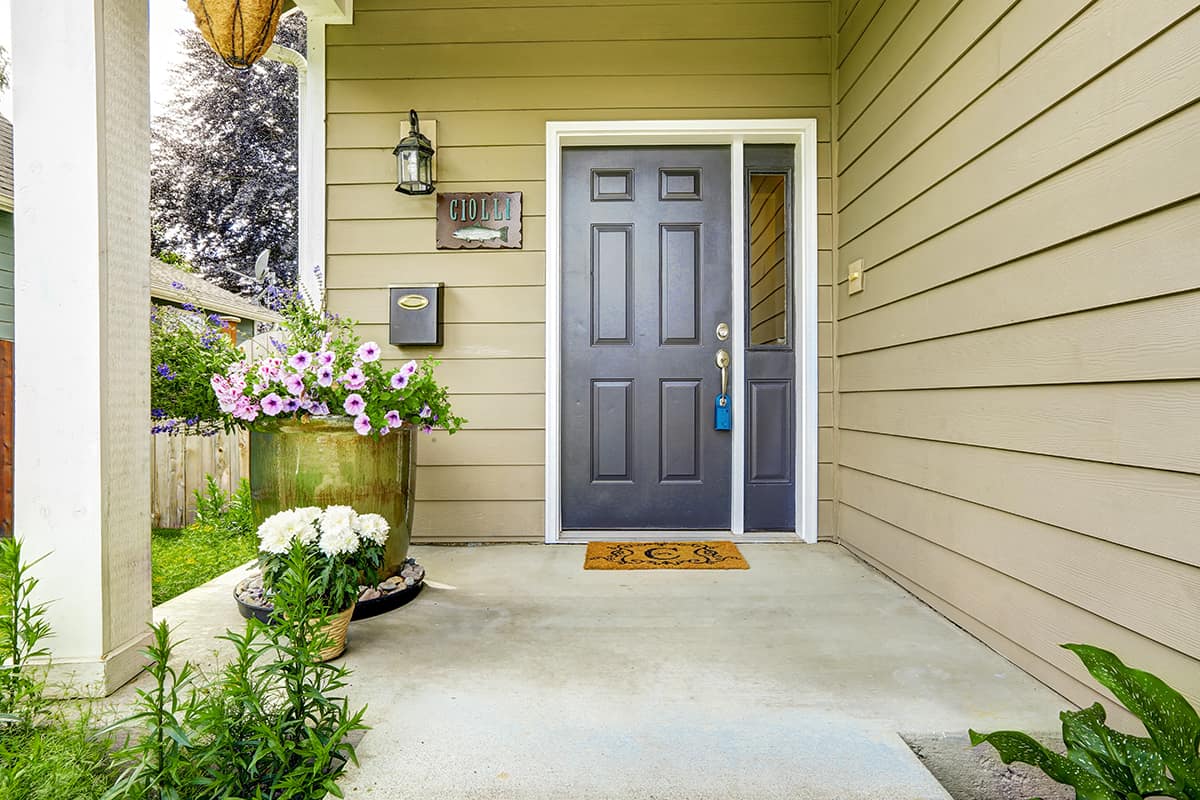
767	202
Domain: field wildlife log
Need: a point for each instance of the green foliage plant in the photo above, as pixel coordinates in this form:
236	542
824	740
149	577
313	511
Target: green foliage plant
45	753
157	757
231	512
186	348
23	629
1105	764
277	722
59	759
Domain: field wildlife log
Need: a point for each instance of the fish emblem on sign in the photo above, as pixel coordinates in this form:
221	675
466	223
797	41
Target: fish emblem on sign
479	220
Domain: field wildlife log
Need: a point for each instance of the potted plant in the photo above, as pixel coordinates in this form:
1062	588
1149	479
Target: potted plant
340	547
331	424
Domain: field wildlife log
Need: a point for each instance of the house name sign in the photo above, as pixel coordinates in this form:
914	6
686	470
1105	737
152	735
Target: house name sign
479	220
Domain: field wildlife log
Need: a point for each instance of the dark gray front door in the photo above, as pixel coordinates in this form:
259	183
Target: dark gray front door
646	280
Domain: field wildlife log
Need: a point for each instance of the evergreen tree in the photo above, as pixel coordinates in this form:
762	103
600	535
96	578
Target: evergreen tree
223	181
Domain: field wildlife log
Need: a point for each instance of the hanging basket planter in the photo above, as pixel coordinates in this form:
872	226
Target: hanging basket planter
240	31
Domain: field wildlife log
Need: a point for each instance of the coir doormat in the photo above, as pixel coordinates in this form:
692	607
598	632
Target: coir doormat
664	555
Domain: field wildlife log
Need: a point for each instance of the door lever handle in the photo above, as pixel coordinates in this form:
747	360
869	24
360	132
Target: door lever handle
723	363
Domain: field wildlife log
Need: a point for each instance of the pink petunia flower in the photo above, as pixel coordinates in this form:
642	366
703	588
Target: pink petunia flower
354	379
399	380
319	410
325	376
368	351
294	384
354	404
392	418
272	404
362	424
385	430
427	429
324	358
290	404
409	368
300	361
426	411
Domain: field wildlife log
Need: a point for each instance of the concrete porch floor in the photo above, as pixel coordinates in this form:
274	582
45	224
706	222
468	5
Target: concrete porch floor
520	675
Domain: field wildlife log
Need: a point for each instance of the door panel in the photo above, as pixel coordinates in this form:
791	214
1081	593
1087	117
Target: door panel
770	356
646	280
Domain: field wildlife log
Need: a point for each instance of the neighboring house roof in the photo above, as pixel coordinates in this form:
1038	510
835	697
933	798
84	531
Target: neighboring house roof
165	282
6	164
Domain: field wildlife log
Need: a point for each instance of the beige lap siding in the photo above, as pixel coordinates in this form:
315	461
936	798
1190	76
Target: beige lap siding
492	78
1018	383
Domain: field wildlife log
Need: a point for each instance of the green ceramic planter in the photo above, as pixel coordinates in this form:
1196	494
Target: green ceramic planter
323	462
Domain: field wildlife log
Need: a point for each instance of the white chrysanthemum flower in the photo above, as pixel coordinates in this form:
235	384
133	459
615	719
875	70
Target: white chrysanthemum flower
274	535
337	530
373	528
309	513
298	527
337	541
306	523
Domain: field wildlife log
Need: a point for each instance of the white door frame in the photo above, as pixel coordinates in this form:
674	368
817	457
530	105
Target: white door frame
735	133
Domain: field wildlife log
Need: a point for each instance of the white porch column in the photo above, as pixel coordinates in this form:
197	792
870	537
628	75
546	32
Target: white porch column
81	122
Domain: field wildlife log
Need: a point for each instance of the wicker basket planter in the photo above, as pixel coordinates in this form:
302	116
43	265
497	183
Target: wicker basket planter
336	628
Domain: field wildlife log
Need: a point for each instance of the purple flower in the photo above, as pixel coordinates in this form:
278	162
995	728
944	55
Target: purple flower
354	379
165	371
280	346
392	418
385	430
157	413
399	380
325	376
294	384
427	429
426	411
214	319
258	388
354	404
177	285
272	404
319	410
300	360
368	352
409	368
290	404
188	307
362	423
325	358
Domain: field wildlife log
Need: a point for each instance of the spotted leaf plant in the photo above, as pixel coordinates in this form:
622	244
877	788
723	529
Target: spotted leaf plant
1105	764
318	367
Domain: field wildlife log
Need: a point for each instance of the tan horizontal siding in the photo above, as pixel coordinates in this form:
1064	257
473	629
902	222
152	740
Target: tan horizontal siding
1017	385
520	126
449	23
492	77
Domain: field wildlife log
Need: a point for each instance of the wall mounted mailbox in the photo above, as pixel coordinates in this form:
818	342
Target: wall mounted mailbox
479	220
416	314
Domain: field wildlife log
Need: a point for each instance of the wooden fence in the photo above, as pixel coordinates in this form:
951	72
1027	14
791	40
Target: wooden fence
178	466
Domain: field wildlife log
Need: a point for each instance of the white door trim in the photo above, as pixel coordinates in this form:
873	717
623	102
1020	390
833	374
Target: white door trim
735	133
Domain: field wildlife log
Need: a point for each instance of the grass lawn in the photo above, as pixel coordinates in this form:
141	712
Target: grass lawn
182	559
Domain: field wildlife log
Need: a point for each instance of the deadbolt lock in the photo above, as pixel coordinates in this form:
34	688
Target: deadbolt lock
722	331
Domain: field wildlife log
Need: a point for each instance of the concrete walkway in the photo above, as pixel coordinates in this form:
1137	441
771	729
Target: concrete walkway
520	675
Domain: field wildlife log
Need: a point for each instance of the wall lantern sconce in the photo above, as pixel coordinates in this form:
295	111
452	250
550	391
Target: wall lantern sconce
414	160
